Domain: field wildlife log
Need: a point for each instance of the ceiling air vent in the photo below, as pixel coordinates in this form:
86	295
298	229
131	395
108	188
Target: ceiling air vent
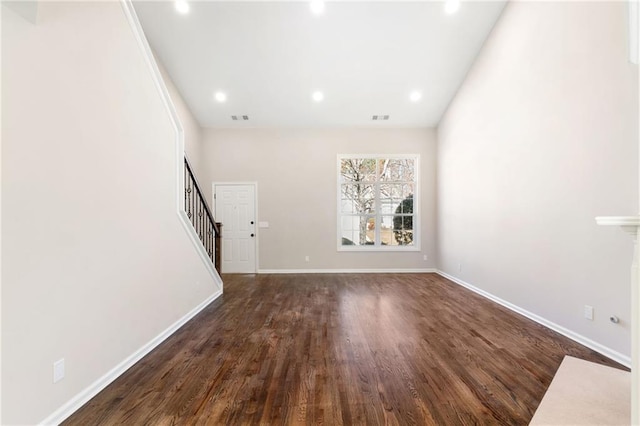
380	117
240	117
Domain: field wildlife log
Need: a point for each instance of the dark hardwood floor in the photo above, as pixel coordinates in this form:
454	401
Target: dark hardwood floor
341	349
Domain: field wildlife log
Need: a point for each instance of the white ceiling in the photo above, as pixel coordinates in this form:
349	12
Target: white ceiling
366	57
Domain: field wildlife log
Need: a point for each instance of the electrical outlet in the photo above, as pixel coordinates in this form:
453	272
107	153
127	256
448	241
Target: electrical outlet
588	312
306	258
425	257
58	370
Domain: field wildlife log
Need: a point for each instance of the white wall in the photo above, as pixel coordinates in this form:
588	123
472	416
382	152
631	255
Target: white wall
95	261
191	128
540	139
297	182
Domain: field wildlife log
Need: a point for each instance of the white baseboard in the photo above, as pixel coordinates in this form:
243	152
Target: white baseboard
348	271
608	352
83	397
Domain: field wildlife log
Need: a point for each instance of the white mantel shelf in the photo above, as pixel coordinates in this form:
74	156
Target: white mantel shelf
628	223
631	224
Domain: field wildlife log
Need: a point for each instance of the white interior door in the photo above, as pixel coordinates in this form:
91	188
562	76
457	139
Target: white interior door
235	207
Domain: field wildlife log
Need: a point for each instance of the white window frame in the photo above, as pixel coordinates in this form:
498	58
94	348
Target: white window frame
416	206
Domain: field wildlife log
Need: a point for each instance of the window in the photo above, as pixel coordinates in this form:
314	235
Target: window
378	202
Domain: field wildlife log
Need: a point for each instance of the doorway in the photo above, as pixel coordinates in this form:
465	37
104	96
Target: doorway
235	207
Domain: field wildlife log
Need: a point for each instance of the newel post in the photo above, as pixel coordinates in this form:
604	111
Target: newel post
631	224
218	248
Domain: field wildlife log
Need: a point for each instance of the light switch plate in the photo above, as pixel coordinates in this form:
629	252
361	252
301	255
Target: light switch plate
58	370
588	312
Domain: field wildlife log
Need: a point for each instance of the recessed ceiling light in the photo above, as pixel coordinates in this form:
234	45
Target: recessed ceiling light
182	6
317	7
451	6
220	97
415	96
317	96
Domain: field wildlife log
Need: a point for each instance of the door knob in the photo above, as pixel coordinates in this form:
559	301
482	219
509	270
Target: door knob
252	222
252	235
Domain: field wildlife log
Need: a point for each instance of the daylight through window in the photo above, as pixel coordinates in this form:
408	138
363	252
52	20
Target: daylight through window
377	206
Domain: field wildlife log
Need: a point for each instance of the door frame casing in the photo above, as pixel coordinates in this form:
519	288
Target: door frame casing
255	211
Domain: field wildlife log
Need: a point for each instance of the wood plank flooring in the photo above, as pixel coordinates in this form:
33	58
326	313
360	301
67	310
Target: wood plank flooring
350	349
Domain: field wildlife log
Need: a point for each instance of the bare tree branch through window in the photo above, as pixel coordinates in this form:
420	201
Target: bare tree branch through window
377	196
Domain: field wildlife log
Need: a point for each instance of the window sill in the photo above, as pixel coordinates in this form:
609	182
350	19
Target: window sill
370	249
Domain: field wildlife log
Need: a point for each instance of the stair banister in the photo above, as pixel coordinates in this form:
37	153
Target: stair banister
195	205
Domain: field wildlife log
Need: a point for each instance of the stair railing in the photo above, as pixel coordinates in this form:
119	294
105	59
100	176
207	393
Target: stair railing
195	205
